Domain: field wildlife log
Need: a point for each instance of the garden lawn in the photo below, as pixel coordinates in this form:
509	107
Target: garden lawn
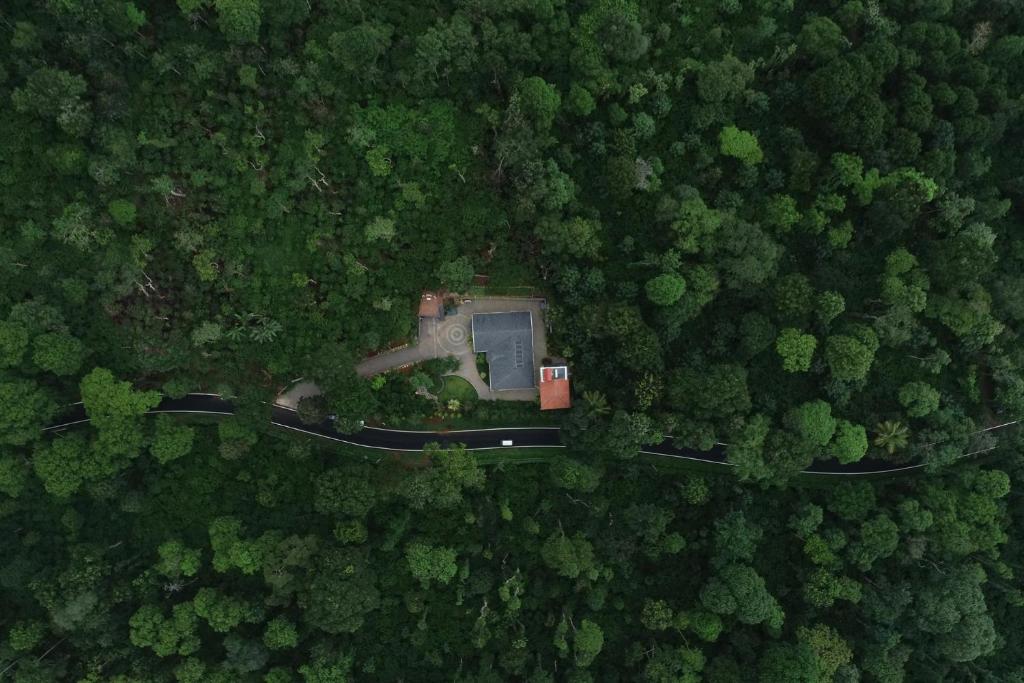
457	388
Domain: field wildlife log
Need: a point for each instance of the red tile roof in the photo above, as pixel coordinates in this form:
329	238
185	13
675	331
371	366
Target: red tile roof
554	389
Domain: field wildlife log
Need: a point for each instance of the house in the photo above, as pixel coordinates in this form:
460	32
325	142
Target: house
554	388
507	339
432	305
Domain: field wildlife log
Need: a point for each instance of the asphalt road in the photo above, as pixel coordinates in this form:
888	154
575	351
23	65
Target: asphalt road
475	439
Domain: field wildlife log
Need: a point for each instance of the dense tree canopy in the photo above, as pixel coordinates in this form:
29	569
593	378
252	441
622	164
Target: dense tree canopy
788	230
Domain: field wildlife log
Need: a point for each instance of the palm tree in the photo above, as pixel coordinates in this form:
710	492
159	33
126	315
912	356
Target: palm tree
597	404
891	435
266	331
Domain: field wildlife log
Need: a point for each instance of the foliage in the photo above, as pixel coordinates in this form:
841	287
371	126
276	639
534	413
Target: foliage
785	231
796	349
740	144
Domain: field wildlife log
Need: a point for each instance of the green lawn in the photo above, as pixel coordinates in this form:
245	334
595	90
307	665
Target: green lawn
457	388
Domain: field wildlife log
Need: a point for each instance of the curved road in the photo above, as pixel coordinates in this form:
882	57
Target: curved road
475	439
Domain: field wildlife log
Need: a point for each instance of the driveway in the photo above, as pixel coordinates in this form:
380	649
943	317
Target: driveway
424	349
451	337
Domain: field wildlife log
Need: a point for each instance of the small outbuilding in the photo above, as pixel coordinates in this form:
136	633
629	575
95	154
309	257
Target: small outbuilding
432	305
554	388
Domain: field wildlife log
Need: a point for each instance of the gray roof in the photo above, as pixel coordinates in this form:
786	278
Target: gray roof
507	339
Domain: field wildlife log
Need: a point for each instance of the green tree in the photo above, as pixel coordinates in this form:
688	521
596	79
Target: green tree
441	485
724	80
171	440
110	403
580	101
788	663
326	668
830	650
56	95
221	612
13	344
360	48
230	551
667	664
665	289
58	353
380	229
738	590
813	421
456	274
705	625
736	538
26	635
570	556
576	237
431	563
918	398
122	211
587	642
62	465
76	226
14	473
878	539
339	491
796	349
952	610
710	391
24	409
823	588
828	306
850	442
695	225
793	296
538	100
177	634
280	634
849	359
574	475
656	615
239	20
341	592
741	145
177	560
821	39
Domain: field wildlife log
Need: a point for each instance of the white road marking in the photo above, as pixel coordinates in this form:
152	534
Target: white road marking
453	435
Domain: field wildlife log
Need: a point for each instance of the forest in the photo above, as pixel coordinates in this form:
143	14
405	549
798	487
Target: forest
790	229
